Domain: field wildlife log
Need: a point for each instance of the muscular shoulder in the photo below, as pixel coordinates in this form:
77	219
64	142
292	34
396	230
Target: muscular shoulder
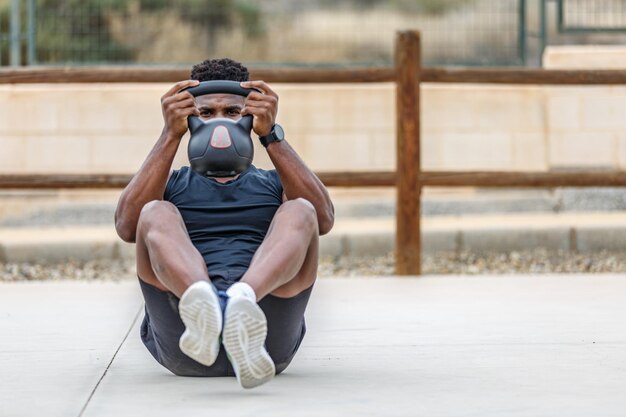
268	178
173	185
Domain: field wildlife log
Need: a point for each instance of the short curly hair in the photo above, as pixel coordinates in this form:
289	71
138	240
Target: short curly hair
220	69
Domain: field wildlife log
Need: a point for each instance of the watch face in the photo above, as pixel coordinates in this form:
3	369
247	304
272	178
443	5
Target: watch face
279	132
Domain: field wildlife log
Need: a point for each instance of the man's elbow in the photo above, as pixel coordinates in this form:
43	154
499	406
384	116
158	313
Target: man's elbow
121	223
126	233
326	222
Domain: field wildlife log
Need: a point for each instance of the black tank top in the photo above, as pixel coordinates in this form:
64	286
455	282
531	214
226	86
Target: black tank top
226	222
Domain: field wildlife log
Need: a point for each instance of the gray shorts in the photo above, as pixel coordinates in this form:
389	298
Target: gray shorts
162	327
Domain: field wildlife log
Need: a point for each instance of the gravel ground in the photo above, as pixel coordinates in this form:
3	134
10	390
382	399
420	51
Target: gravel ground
524	262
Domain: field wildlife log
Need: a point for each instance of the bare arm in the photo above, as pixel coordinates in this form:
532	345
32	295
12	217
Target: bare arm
297	179
300	182
149	182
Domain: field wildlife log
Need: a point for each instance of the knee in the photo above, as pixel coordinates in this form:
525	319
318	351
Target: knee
154	215
302	214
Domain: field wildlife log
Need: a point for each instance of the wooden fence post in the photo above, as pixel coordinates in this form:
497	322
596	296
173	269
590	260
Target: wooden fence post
408	202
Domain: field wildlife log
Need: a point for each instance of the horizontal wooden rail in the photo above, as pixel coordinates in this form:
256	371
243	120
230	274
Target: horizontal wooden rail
523	76
118	74
331	179
359	179
524	179
37	181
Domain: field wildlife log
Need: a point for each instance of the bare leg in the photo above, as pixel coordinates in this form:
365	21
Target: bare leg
286	262
166	258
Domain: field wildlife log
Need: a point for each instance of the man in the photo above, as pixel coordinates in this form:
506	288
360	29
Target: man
224	259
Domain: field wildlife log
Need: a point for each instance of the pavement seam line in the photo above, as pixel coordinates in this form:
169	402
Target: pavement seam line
95	388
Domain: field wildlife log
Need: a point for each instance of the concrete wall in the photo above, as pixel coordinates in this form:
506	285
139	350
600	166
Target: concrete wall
585	57
587	125
110	128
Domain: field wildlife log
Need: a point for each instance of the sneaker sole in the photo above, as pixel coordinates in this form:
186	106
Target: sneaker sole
244	336
200	311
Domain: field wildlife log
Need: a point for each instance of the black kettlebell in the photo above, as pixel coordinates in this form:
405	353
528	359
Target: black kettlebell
220	147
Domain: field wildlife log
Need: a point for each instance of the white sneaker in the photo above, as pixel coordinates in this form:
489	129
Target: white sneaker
245	330
199	308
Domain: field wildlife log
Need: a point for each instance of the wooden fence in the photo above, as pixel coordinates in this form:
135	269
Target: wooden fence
408	74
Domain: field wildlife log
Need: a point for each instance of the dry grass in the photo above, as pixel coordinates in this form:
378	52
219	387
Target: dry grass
325	35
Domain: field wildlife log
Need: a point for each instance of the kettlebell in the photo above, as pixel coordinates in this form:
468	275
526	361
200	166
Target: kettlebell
220	147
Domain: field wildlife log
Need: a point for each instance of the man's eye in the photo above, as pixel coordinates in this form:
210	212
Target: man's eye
234	112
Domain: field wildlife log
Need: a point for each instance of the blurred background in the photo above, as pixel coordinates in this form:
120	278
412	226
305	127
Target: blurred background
110	128
300	32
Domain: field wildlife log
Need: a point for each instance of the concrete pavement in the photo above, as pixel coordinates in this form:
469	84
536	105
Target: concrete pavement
433	346
56	342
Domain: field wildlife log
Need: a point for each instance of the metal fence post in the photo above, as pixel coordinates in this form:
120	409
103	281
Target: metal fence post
408	202
15	37
521	40
543	30
32	31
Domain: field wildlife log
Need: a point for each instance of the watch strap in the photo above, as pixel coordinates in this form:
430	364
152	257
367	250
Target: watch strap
269	138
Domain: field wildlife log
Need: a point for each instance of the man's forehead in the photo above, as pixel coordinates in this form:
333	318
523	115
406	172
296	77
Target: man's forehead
219	99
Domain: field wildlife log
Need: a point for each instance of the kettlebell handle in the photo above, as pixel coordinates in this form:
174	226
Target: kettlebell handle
219	86
216	87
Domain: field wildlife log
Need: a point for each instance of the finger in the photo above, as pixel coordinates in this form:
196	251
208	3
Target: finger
186	112
182	85
262	108
257	105
255	96
183	104
255	111
179	86
269	104
260	85
180	97
258	97
189	111
183	95
174	103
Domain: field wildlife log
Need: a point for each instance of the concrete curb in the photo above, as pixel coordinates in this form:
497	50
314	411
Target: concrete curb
363	237
54	245
587	232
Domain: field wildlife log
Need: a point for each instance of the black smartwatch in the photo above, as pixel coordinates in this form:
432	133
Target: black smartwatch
277	134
